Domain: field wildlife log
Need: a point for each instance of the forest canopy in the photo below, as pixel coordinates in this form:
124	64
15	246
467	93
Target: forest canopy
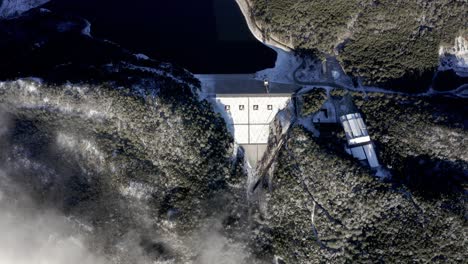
379	40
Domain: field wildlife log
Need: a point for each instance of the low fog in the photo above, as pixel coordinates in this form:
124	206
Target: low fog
32	235
32	232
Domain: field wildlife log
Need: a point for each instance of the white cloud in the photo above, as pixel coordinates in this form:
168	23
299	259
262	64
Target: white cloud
29	235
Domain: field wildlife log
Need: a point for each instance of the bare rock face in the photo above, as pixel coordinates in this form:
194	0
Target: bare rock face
455	57
12	8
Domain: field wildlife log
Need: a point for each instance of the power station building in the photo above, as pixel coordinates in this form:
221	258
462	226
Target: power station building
358	141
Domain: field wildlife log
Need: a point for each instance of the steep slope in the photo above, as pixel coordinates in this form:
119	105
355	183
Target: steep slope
323	206
119	143
326	207
388	43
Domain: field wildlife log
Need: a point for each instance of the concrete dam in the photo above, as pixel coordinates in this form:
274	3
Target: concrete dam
248	106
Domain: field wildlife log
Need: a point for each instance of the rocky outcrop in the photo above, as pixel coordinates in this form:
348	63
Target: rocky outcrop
455	57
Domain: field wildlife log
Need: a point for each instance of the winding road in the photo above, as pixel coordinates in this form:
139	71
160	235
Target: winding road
461	91
263	37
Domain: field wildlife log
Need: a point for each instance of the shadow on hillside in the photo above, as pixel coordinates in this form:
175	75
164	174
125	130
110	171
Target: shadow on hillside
432	177
32	160
56	49
448	80
425	176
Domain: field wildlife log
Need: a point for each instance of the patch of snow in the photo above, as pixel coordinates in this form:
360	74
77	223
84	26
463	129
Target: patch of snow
80	224
278	259
383	173
37	80
84	147
12	8
141	56
312	70
30	87
336	75
286	63
87	29
92	150
455	57
137	190
31	97
91	113
161	73
44	10
251	178
334	72
66	141
286	116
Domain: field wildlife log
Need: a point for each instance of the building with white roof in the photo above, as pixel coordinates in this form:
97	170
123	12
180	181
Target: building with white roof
358	141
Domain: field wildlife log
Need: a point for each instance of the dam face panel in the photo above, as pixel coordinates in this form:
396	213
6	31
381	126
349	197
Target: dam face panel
247	108
248	118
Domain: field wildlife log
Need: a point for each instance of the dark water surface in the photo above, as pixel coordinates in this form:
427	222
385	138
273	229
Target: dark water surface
204	36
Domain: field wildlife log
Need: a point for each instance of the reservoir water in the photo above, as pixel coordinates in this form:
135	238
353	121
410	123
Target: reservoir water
203	36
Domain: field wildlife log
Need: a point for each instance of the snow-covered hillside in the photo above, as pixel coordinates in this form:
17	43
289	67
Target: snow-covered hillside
11	8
